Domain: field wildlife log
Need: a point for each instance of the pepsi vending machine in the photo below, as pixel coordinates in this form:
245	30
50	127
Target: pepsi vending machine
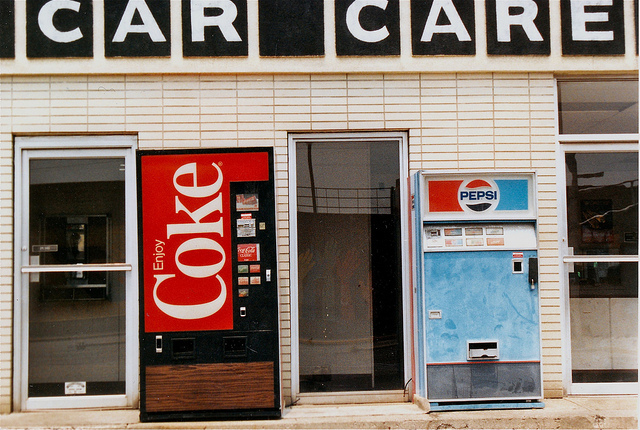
209	345
477	302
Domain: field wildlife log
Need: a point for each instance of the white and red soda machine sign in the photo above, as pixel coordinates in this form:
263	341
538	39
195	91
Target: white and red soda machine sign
186	236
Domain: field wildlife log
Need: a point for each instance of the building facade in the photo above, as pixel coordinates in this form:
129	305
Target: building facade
354	97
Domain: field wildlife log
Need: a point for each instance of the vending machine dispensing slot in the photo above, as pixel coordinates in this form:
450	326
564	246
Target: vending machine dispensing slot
209	338
478	330
486	350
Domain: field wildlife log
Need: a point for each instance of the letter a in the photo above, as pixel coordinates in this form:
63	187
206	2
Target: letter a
149	24
456	25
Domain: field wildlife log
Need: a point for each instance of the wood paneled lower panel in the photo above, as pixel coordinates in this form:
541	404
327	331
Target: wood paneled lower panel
213	386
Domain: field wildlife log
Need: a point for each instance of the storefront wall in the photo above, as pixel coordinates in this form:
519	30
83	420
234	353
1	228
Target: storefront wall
455	121
481	108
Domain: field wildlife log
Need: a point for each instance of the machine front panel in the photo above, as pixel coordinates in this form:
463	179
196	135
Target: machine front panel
477	297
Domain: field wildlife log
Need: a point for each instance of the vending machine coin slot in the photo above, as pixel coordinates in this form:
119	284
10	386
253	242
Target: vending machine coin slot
235	346
183	348
517	266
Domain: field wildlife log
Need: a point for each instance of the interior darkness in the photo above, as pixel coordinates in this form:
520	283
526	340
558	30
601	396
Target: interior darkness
350	288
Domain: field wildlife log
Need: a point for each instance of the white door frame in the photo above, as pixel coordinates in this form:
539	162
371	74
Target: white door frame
367	396
571	144
33	147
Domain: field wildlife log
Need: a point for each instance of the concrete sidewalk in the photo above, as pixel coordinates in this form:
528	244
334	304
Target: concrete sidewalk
583	412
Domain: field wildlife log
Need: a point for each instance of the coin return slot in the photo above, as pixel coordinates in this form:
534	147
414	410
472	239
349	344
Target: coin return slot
235	346
517	266
183	348
482	350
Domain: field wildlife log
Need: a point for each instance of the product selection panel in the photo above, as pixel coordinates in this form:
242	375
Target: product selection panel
254	264
476	237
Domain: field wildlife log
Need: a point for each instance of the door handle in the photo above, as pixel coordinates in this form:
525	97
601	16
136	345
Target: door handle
533	272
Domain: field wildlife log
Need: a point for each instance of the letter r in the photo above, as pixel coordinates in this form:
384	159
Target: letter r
504	20
223	21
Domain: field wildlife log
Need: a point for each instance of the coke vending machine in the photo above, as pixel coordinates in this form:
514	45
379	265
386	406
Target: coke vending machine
209	345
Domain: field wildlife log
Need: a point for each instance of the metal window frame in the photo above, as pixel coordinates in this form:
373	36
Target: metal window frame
402	139
576	143
72	146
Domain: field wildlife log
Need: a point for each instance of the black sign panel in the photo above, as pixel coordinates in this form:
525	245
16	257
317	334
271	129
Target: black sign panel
59	29
214	31
592	30
7	29
137	29
518	28
291	27
443	28
369	27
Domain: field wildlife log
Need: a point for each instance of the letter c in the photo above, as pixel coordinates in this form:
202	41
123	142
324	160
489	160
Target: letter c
353	21
190	312
45	21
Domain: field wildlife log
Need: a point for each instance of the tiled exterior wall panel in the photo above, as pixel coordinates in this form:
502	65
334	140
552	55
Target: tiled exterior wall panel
454	121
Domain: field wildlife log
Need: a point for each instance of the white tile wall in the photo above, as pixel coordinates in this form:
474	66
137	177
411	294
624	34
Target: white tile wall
469	121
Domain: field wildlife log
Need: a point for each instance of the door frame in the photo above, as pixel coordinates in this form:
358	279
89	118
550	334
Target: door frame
584	144
361	396
33	147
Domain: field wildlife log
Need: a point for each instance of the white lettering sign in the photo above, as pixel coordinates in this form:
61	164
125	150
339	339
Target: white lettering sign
580	17
189	312
455	22
149	24
355	27
224	20
45	21
504	20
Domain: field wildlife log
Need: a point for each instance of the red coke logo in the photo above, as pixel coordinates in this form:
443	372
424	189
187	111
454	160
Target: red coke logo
186	226
201	269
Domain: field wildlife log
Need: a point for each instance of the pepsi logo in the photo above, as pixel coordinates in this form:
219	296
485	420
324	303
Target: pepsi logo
478	195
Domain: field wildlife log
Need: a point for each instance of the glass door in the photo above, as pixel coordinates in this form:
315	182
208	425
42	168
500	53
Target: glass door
76	278
602	265
349	286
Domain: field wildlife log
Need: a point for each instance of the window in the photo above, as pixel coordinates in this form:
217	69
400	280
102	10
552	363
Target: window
598	125
598	107
349	229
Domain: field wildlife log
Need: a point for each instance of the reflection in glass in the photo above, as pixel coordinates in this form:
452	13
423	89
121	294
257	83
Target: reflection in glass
602	203
602	214
349	282
598	107
604	322
76	318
